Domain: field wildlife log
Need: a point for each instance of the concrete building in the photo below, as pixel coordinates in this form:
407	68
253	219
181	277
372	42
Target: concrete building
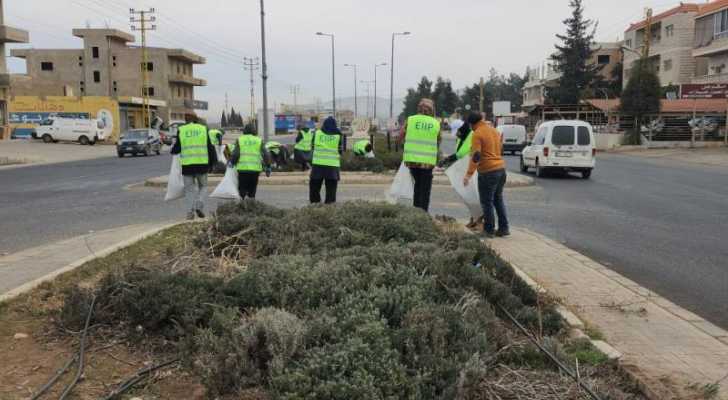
108	66
671	44
7	35
541	77
710	46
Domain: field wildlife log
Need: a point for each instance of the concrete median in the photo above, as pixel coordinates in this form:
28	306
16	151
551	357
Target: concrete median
347	178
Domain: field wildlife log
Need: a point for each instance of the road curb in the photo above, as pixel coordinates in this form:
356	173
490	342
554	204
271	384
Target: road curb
26	287
515	180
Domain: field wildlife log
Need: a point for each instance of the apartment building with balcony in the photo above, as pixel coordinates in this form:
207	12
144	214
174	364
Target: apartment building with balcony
671	44
711	43
108	66
545	75
7	35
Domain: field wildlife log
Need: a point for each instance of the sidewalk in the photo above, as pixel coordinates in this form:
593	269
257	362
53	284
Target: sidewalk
347	178
27	269
665	346
23	153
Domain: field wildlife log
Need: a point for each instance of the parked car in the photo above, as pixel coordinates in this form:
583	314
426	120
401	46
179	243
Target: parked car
171	133
84	131
139	141
561	145
514	138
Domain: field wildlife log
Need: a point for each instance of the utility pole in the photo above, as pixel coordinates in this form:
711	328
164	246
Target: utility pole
648	34
333	69
265	73
143	18
252	65
295	89
356	95
375	87
482	90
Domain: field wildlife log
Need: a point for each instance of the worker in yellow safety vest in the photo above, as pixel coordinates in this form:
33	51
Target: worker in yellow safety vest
197	156
421	137
303	148
363	148
250	158
328	145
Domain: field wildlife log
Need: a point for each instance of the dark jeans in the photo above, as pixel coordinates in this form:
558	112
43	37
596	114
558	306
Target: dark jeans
490	189
423	187
314	194
247	184
303	158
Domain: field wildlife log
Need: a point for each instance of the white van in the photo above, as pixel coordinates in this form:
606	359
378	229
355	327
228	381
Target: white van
84	131
514	138
561	145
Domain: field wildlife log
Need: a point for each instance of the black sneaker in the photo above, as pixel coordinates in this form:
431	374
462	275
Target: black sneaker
200	214
488	235
503	233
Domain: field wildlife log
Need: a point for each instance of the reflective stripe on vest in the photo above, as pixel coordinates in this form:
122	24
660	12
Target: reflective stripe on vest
306	141
420	144
464	150
193	143
213	136
326	150
250	158
360	147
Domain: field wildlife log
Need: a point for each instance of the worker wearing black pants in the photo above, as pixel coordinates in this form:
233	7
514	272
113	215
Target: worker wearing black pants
247	184
423	187
315	190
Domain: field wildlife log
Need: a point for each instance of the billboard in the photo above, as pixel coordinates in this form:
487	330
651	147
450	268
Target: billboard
501	108
287	123
704	91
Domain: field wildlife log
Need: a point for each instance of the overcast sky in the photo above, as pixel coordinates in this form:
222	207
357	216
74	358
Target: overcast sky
457	39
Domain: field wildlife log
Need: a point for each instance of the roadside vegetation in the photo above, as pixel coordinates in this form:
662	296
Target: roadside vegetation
356	301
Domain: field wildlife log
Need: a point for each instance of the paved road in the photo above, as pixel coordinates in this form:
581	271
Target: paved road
661	224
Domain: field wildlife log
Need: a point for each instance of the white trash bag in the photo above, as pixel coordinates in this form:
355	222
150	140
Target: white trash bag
228	187
403	186
469	194
220	150
175	181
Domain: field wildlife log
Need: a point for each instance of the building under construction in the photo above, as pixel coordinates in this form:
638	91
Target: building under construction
108	66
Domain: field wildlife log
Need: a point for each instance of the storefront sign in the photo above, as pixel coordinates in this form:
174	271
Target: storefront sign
706	91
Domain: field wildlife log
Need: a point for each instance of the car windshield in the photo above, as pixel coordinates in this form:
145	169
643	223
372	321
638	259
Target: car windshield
563	136
136	135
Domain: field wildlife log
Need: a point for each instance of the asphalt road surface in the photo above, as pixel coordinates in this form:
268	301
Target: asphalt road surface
659	223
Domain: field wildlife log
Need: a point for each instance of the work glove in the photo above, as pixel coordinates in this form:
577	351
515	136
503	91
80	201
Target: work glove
267	172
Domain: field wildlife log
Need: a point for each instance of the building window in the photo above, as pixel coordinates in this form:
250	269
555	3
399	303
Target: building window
148	91
721	24
115	89
95	52
46	66
82	86
97	76
628	43
150	66
80	64
669	30
603	59
667	65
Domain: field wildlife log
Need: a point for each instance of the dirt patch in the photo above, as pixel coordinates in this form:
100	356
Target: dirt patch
34	344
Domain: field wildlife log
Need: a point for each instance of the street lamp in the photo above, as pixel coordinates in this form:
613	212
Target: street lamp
333	69
391	86
356	110
368	83
264	73
375	87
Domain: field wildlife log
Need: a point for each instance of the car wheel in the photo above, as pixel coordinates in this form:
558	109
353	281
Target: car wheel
121	155
146	151
47	138
524	167
539	170
83	140
586	174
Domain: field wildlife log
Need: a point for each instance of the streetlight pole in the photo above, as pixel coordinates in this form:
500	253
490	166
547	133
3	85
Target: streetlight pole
368	83
264	73
356	106
391	85
333	69
375	87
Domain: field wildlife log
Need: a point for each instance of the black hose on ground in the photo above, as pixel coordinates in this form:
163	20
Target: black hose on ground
81	353
137	377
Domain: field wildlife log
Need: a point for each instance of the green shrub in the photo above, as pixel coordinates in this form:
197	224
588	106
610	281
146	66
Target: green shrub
236	353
